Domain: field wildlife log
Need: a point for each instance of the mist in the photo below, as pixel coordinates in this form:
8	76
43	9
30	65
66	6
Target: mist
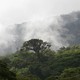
59	31
49	29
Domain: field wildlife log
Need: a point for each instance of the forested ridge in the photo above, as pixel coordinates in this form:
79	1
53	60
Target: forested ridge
36	61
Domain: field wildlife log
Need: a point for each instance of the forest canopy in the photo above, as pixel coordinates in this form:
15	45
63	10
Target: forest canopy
36	61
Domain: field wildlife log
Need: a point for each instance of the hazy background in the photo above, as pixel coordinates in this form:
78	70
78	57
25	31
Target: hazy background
21	20
17	11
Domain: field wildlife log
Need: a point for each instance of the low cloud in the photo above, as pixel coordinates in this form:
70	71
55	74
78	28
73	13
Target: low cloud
59	31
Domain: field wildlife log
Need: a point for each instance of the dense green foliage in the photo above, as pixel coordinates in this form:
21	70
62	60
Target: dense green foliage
63	64
5	73
70	74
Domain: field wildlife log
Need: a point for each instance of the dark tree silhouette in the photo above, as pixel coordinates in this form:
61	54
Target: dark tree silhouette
36	45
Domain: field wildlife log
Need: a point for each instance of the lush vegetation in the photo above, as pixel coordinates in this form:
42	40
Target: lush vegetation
36	61
5	73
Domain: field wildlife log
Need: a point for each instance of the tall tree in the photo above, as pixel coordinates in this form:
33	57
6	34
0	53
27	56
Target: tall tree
36	45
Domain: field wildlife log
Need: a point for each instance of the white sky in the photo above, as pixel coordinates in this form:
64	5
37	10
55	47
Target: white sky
17	11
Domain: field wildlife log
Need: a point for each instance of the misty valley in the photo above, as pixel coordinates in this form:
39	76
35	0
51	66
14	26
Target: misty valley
30	52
